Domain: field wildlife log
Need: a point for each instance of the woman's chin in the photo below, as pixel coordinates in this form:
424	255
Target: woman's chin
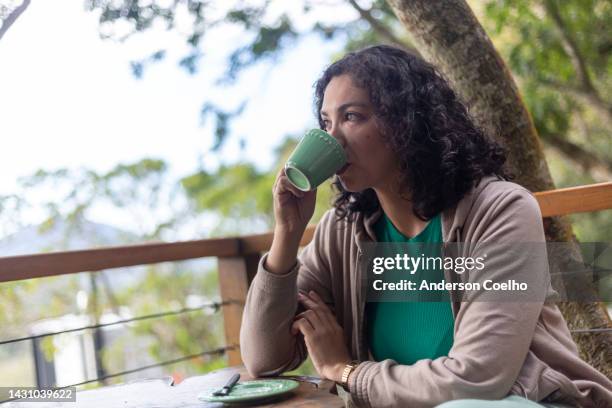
348	184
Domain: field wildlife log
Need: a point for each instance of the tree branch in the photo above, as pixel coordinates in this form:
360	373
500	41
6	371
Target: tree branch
12	17
380	28
587	90
598	167
570	46
591	98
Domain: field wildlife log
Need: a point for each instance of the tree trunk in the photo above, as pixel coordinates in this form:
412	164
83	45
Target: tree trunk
448	35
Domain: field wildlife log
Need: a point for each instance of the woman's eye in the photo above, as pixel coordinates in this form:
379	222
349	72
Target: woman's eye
351	116
326	124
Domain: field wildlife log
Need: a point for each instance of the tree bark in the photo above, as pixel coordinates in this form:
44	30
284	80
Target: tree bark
448	35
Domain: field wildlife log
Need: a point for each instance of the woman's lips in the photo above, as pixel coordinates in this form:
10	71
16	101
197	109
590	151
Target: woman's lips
343	169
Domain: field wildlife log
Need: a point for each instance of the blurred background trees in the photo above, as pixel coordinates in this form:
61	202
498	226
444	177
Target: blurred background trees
558	53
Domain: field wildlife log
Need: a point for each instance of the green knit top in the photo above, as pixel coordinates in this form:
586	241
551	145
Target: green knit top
410	331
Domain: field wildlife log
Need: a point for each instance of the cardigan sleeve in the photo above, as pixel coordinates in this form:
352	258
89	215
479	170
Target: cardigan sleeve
266	343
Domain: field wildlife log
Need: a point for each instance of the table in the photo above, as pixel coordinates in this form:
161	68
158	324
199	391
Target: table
160	393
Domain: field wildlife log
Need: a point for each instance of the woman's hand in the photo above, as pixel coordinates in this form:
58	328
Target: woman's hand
323	337
292	211
293	208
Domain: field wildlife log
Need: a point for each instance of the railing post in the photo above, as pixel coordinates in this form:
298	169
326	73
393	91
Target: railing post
235	275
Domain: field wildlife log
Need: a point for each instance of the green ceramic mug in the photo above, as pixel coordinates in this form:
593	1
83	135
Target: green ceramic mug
317	157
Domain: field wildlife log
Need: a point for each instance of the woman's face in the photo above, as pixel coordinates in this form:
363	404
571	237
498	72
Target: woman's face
348	115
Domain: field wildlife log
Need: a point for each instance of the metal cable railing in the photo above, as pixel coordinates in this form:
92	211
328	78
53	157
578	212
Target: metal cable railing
218	351
215	305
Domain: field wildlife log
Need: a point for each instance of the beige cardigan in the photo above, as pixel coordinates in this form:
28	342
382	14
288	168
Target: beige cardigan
500	348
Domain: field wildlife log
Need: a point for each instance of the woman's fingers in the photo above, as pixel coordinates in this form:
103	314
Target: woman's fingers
299	316
302	325
309	303
315	296
279	175
325	310
314	302
285	185
294	329
313	318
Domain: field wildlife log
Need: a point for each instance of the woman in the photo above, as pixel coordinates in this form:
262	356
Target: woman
419	171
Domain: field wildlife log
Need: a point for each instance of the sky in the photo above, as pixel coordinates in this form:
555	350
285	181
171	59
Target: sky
69	99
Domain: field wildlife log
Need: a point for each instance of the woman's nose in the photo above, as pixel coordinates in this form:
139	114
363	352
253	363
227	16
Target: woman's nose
337	134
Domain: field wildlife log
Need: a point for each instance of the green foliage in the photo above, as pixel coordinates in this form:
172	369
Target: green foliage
360	33
242	195
265	40
234	192
268	42
553	47
27	301
267	33
138	189
536	49
533	42
48	347
222	121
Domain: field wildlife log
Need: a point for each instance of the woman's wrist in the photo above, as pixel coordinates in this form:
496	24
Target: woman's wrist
337	372
283	252
344	373
289	231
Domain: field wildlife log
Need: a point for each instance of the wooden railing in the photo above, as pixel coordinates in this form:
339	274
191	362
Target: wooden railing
238	257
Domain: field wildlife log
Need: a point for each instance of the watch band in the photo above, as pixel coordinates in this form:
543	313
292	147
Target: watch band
348	369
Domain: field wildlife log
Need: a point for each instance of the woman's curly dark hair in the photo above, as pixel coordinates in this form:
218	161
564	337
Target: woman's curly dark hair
442	153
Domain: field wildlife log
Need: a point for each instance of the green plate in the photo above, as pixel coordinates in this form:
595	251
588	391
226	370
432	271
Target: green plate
248	391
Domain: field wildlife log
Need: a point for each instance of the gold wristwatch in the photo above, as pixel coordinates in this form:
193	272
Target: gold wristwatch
348	369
